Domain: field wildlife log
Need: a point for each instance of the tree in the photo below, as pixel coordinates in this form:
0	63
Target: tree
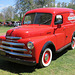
16	17
64	4
22	6
72	4
42	3
8	13
58	4
1	17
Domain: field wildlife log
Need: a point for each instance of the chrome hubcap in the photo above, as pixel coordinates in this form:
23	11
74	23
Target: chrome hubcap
46	57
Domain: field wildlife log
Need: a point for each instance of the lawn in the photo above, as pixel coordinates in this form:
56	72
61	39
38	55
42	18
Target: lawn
62	64
3	29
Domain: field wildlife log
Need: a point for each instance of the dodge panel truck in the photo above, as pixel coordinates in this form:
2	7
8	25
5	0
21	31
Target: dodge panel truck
44	32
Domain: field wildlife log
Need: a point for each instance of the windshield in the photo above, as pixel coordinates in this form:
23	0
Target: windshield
38	18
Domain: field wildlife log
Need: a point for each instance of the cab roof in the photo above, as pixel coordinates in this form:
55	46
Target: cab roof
51	10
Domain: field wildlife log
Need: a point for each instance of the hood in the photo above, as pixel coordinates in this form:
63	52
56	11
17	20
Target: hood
29	31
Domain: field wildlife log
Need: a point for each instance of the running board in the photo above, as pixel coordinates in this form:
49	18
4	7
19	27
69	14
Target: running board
61	49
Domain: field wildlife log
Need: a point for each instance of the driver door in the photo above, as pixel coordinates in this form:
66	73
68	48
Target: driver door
59	31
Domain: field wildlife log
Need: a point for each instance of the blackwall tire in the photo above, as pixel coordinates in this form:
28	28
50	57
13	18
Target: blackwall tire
45	58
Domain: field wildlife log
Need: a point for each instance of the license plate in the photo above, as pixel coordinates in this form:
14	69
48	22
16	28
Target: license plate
2	53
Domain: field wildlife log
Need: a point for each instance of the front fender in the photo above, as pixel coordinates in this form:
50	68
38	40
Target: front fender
39	43
2	37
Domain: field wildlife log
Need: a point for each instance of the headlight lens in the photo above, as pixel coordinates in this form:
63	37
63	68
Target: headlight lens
30	45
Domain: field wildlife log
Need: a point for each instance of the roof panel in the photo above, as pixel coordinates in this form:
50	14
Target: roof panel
51	10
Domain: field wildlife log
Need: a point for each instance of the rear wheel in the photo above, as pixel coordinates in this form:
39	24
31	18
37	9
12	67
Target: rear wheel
73	43
45	58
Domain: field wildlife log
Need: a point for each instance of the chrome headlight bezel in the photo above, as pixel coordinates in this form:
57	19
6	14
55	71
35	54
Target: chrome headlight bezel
30	45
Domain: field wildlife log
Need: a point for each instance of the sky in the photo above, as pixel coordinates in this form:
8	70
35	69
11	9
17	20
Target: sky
6	3
67	1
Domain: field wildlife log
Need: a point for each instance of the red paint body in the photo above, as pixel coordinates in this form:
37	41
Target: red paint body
40	34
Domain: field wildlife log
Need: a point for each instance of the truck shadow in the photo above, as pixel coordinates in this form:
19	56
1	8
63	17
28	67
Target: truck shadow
57	55
18	68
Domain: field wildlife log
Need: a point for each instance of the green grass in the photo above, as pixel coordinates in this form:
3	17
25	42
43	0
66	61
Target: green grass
63	64
3	29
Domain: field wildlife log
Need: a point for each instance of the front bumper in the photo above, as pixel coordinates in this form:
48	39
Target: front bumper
17	60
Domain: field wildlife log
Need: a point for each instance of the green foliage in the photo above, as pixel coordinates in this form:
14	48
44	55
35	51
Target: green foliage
16	18
41	2
8	13
58	4
1	20
1	17
22	6
70	5
64	4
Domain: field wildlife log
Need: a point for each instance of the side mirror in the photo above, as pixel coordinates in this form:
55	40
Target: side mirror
58	22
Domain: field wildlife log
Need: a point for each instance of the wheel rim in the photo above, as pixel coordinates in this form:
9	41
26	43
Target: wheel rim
73	43
47	57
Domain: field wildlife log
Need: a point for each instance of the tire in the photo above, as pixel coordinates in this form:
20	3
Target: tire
72	46
45	58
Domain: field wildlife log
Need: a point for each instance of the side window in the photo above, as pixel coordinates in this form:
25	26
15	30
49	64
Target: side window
29	19
58	19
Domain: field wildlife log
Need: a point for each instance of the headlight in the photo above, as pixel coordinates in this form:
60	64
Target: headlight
30	45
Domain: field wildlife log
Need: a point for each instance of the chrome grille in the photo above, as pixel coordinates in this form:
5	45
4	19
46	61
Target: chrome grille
14	44
13	48
14	38
16	54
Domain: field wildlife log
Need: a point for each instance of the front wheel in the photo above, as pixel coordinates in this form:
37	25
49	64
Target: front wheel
45	58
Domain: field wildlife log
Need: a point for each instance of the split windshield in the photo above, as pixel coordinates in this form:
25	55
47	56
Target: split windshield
38	18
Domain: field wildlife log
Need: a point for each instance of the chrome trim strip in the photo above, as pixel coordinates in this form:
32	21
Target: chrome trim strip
11	40
14	44
16	54
11	48
10	37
